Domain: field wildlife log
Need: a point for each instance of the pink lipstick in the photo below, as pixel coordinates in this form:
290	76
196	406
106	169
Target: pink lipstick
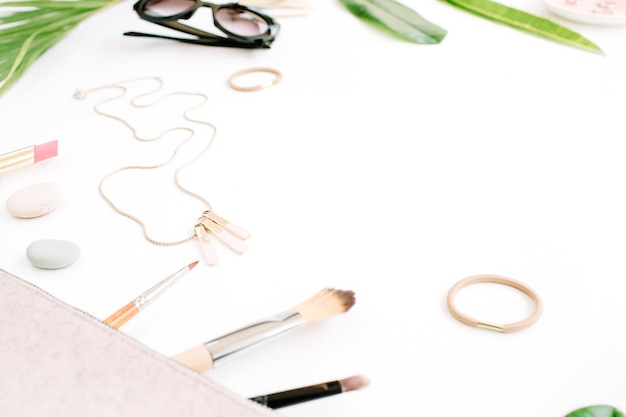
28	156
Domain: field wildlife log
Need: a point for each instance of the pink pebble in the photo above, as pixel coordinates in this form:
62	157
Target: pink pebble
35	200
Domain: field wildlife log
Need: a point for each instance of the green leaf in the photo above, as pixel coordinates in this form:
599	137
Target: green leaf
29	28
596	411
526	22
396	19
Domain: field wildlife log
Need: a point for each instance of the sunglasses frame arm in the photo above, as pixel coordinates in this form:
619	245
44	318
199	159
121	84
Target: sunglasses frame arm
188	29
217	41
181	27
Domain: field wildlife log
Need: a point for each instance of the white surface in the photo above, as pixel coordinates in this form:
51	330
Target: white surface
376	165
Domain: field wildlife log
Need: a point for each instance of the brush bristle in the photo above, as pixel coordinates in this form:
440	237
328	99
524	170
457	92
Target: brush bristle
327	303
354	383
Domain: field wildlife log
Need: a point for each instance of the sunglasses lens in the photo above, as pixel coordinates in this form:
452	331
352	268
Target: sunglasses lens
166	8
242	22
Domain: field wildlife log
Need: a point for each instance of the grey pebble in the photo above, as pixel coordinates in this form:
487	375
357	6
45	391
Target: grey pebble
52	253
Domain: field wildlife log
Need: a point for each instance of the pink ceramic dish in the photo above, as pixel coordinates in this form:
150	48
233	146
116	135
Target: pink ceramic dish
594	12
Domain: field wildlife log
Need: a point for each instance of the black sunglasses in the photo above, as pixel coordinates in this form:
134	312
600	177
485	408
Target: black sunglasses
244	26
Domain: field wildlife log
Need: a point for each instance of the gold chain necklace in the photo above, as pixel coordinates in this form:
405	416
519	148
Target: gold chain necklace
208	223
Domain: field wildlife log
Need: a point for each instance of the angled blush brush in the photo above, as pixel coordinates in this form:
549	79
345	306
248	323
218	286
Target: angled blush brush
327	303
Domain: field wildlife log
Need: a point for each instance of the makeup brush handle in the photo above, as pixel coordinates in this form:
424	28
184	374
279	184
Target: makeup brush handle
203	357
299	395
122	315
197	358
254	334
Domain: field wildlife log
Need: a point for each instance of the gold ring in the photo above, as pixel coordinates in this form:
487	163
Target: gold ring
505	328
277	76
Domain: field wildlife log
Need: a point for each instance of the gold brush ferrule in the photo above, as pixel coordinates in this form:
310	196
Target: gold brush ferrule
254	334
17	159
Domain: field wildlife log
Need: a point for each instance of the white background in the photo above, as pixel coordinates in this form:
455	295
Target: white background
376	165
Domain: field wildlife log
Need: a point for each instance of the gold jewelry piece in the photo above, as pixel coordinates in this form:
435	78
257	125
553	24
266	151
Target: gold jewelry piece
277	76
506	328
209	223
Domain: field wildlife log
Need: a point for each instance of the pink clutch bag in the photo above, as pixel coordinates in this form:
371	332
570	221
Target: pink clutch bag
56	360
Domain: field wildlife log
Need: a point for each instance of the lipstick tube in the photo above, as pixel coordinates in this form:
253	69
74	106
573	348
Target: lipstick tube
29	155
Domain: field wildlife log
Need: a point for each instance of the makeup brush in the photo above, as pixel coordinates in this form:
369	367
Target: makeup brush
133	308
312	392
327	303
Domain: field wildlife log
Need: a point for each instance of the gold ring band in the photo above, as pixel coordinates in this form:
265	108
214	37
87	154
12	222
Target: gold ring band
265	84
497	279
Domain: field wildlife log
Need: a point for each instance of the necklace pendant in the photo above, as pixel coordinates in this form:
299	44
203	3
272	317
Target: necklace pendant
230	227
210	255
229	239
226	232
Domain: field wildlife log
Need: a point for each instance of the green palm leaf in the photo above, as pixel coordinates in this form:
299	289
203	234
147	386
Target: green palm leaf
526	22
596	411
30	28
397	19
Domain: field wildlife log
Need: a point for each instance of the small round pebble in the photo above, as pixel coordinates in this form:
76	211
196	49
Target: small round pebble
35	200
52	253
